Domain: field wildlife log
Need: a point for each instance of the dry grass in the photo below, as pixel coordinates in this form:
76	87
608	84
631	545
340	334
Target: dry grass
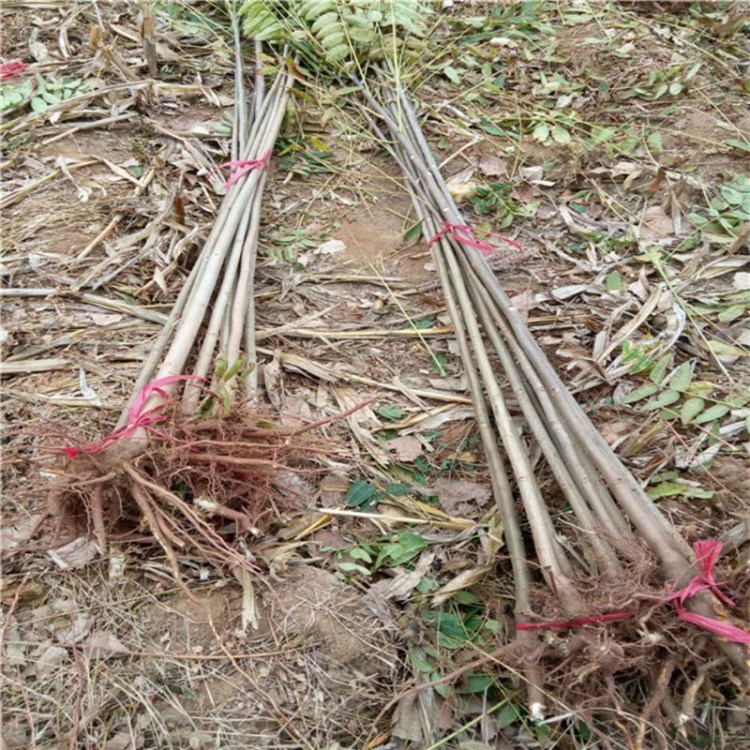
114	654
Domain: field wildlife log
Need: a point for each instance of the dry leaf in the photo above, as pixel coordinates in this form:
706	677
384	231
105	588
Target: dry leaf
407	448
656	224
463	580
459	498
404	582
524	302
102	644
125	741
525	192
741	281
493	166
449	384
272	381
462	185
532	174
329	247
49	660
332	490
76	554
105	319
12	536
565	292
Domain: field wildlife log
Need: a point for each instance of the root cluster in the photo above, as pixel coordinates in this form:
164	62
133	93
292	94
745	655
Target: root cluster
211	484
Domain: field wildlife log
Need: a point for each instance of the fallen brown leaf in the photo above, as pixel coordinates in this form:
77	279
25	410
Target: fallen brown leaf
406	448
459	498
493	166
656	224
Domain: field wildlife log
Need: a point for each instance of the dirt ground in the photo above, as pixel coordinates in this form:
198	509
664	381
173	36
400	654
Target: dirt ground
105	206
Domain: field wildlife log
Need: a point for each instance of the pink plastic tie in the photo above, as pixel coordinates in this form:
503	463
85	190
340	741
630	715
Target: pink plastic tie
241	167
465	235
706	555
10	69
137	417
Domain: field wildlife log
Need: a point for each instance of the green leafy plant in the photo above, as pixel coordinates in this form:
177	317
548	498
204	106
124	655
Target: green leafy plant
54	91
727	212
14	97
496	200
362	496
223	375
303	157
676	396
661	84
368	557
287	244
340	31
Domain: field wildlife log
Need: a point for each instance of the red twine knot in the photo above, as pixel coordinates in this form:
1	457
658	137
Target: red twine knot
465	235
241	167
706	556
577	623
137	417
11	69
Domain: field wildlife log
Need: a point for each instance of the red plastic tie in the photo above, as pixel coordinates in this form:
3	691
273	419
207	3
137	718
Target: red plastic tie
11	69
465	235
577	623
137	417
241	167
706	556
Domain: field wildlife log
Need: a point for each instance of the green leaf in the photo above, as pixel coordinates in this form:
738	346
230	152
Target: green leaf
698	492
452	74
359	493
691	408
732	313
681	378
38	104
360	554
51	98
665	398
714	412
478	683
441	688
613	282
238	366
397	489
719	348
505	717
390	412
420	664
397	553
561	135
640	393
660	369
741	145
413	231
666	489
655	143
731	196
540	132
601	134
350	567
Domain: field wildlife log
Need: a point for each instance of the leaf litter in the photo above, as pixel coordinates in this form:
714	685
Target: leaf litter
601	232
